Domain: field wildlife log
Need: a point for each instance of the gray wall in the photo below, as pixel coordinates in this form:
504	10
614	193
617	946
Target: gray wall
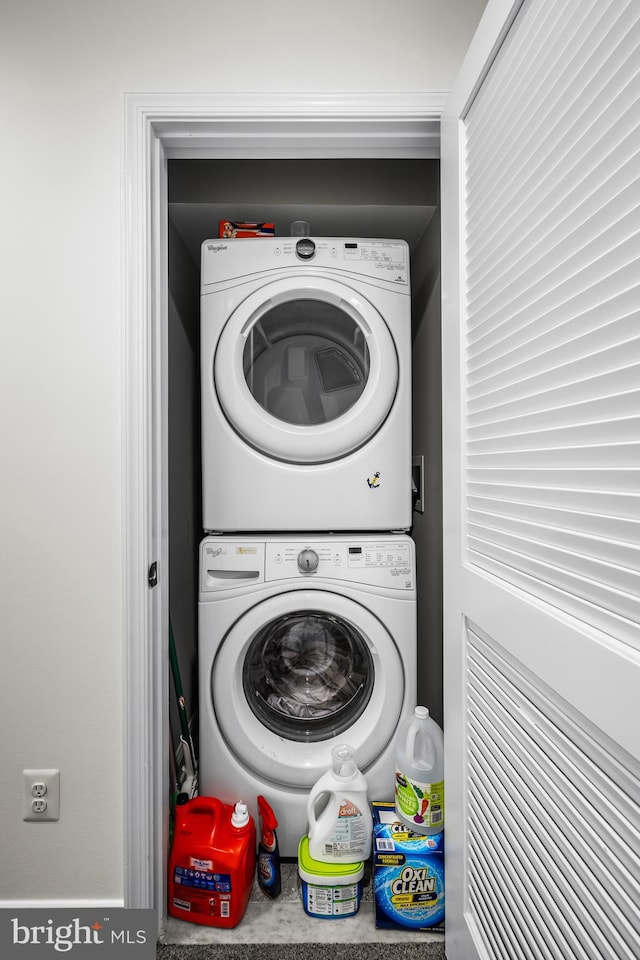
404	184
184	470
427	440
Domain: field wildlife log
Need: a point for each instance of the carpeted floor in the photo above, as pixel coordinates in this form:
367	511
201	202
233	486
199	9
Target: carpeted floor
412	950
281	930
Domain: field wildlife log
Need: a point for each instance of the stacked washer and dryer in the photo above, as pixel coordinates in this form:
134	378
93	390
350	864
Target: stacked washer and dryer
307	592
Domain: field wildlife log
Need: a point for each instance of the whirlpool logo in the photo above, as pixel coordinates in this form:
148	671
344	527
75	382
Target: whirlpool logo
40	933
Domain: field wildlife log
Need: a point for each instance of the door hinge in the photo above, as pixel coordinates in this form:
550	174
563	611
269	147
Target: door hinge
152	576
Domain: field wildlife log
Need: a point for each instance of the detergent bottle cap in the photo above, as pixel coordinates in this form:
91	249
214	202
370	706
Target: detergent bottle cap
240	815
343	762
422	713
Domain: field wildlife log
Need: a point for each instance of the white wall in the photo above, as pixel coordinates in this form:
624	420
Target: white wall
65	67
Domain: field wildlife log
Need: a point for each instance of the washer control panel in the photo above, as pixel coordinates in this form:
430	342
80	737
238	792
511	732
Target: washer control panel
361	560
378	562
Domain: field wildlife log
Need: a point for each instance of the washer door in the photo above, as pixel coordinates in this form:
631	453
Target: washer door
305	370
300	671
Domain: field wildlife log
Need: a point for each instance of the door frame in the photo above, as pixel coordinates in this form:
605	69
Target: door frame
158	127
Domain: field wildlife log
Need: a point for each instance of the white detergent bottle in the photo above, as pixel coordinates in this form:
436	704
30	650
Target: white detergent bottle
340	821
419	791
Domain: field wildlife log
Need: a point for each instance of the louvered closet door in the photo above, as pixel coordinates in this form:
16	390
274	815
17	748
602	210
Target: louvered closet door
541	354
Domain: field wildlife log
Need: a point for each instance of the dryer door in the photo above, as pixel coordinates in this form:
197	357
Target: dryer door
300	671
305	370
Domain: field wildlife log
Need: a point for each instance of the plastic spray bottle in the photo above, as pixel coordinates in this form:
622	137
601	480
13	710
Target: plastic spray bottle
419	791
340	831
269	878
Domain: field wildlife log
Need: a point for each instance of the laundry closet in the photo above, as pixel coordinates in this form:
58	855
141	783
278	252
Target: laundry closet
358	198
539	400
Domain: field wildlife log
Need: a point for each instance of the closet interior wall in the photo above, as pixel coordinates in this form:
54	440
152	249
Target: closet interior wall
395	199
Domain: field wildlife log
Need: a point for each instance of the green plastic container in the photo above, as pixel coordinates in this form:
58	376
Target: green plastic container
329	891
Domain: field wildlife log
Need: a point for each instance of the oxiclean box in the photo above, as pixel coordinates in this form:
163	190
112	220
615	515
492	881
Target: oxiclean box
408	873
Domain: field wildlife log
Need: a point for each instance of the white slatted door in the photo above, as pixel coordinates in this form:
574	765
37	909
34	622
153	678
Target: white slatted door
541	355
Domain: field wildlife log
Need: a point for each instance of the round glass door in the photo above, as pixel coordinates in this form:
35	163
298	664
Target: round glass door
299	670
306	362
308	675
305	371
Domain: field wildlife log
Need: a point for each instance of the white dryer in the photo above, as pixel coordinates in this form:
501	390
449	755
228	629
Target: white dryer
306	385
303	643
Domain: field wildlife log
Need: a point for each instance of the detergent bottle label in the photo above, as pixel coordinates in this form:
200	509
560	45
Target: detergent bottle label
200	891
423	803
350	833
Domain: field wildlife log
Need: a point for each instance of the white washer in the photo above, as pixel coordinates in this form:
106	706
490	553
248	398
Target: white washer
303	643
306	385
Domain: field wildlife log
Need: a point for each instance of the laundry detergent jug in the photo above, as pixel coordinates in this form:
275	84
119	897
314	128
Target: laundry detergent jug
419	790
212	863
340	821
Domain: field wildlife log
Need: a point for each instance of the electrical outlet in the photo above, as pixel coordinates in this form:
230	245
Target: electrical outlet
41	798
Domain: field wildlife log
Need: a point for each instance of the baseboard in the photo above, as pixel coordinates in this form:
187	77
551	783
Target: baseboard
94	903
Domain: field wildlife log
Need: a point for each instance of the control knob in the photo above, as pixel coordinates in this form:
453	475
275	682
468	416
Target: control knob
308	561
305	249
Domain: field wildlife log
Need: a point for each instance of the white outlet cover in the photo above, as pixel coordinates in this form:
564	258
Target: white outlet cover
51	780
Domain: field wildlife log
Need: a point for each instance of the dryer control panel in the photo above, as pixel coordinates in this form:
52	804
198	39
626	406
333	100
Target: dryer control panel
237	260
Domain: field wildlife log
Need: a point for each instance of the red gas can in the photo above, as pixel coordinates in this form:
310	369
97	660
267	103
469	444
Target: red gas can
212	863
